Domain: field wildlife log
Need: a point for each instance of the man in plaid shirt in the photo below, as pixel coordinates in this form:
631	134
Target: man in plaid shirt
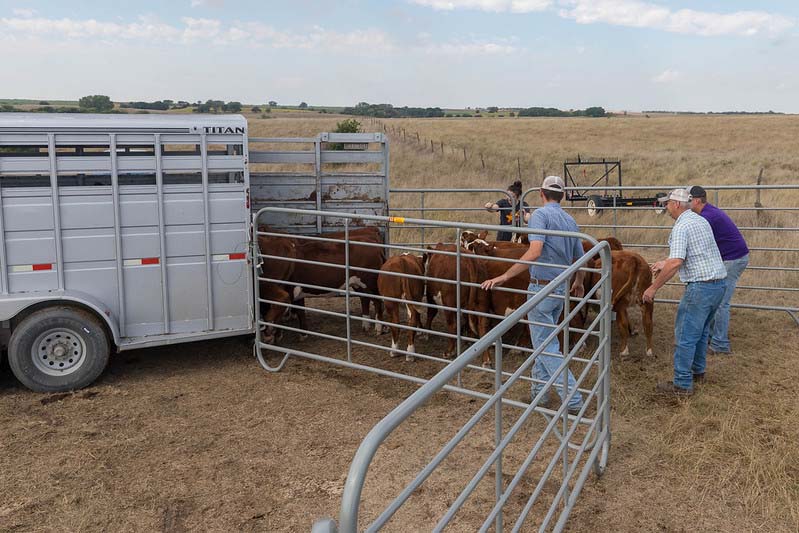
694	253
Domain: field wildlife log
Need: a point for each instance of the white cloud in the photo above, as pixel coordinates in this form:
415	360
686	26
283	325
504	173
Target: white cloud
637	14
458	48
193	30
207	3
515	6
667	76
23	12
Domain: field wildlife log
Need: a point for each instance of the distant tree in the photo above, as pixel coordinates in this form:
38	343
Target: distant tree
303	105
96	102
511	114
256	109
492	109
349	125
595	112
232	107
44	102
272	103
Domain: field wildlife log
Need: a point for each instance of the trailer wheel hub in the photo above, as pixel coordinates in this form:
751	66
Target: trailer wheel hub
58	351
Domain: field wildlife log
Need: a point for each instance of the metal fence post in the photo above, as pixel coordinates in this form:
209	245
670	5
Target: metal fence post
424	216
498	430
347	286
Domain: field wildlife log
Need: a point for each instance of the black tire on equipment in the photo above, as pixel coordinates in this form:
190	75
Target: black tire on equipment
84	324
594	206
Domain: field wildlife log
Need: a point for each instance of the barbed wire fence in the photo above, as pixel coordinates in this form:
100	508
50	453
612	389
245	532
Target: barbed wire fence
518	166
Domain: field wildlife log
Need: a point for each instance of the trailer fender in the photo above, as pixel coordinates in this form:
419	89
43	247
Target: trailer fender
13	305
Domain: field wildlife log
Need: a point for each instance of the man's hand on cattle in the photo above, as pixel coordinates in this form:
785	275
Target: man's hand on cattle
649	294
657	267
493	282
577	290
489	205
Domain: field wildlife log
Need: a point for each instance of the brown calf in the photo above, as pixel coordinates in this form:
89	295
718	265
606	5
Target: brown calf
631	277
445	294
391	283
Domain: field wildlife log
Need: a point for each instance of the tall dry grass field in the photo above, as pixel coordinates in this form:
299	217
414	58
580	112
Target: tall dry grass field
728	458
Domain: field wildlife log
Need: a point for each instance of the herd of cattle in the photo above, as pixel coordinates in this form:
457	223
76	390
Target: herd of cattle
292	268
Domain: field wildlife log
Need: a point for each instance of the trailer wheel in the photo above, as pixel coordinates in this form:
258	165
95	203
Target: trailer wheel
594	205
58	349
659	208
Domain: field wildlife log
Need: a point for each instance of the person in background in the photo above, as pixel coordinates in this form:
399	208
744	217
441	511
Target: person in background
553	250
508	212
692	252
735	255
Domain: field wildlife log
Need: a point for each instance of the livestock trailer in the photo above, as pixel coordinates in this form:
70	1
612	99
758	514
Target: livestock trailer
128	231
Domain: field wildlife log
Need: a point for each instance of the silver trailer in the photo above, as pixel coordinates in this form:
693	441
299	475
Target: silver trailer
119	232
129	231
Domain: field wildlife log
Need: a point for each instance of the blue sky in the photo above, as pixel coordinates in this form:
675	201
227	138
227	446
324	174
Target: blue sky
705	55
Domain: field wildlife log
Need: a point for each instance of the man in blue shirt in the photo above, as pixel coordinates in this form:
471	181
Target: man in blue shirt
557	251
735	255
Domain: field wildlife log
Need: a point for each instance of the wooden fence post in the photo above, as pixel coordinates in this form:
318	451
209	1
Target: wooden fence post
464	153
432	147
482	161
757	193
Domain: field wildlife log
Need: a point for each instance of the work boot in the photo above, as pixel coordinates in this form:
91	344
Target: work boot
699	378
668	387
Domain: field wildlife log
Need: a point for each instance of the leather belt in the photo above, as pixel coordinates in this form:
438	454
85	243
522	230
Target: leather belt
540	281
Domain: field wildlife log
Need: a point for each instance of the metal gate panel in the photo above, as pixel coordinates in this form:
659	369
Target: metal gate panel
570	445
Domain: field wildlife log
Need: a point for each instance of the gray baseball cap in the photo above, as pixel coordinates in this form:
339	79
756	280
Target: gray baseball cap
678	195
553	183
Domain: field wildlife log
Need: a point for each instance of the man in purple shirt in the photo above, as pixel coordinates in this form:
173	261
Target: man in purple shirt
735	255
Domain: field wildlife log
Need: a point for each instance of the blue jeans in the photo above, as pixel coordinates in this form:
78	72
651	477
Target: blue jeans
548	311
692	329
719	338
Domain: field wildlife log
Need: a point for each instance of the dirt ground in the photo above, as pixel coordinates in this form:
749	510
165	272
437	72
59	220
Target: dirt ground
199	437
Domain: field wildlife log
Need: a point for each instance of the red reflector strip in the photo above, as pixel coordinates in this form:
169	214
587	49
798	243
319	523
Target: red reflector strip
31	268
139	262
229	257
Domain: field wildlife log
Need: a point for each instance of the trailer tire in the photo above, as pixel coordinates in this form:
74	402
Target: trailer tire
58	349
659	208
594	206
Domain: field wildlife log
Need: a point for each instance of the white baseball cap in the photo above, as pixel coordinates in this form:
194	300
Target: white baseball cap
678	195
553	183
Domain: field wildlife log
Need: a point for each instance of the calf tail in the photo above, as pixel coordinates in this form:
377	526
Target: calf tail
625	287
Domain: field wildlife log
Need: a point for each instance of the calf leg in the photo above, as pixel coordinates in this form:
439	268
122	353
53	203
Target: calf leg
624	327
365	324
392	315
378	305
300	312
647	311
452	327
431	314
414	319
